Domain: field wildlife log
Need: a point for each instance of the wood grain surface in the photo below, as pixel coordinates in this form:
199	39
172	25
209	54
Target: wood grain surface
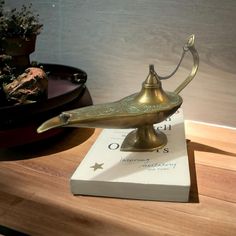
114	41
35	197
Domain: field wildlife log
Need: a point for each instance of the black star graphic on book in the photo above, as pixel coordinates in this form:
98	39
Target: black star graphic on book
97	166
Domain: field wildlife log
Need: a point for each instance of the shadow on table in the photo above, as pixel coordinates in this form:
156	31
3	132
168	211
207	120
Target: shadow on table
10	232
70	138
193	146
193	196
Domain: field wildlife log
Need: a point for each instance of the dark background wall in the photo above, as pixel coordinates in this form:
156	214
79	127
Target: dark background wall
114	41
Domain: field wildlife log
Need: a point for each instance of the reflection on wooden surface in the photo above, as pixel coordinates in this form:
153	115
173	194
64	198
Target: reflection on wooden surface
114	41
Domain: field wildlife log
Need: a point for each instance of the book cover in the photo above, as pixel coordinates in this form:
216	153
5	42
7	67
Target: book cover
160	175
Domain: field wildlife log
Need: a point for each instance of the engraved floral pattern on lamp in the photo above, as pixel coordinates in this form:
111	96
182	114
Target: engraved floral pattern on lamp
128	105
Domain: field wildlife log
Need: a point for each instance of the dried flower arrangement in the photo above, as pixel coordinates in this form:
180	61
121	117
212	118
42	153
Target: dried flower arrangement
27	87
18	31
18	23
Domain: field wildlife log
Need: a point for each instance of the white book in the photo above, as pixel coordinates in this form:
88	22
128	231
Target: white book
160	175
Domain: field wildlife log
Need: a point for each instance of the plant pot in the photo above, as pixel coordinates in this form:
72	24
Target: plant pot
20	49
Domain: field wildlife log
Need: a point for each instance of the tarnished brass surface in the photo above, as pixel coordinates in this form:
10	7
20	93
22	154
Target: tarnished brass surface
140	110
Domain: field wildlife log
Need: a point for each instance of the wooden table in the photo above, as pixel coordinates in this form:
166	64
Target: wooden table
35	197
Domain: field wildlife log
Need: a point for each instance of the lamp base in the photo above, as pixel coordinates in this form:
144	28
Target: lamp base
144	139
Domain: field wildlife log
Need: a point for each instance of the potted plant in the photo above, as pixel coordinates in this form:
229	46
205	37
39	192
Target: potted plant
18	32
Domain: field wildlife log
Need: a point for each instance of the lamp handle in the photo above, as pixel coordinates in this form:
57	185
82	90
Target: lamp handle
189	46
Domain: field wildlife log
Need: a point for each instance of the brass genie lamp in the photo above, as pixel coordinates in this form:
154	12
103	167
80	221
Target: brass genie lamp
140	110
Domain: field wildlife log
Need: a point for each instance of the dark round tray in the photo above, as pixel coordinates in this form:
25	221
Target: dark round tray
65	83
66	91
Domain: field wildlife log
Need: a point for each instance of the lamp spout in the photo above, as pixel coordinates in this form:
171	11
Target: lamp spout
58	121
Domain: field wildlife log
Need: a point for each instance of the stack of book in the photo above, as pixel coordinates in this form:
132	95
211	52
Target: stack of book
159	175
